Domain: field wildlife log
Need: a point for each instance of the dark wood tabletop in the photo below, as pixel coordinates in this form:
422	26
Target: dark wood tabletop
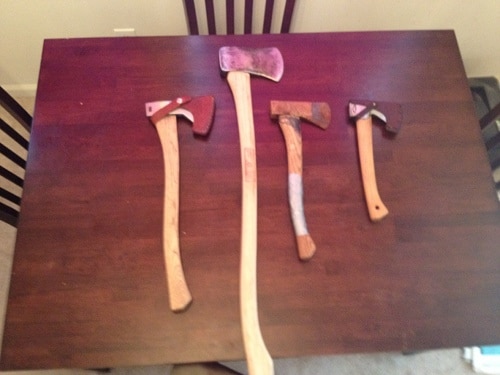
88	279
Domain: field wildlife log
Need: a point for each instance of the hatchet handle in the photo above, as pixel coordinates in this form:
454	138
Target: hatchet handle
179	295
258	358
290	127
376	208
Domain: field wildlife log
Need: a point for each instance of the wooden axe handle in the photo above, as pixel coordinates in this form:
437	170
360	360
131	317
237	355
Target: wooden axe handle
376	208
178	291
259	360
290	127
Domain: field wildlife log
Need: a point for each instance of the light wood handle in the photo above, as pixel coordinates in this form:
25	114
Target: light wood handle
178	291
290	127
258	358
376	208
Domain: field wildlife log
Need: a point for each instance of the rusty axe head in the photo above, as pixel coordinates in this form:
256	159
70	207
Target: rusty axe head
265	62
314	112
389	113
199	110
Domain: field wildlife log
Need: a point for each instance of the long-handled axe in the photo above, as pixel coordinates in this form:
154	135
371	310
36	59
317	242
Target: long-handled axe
362	112
240	63
200	111
289	115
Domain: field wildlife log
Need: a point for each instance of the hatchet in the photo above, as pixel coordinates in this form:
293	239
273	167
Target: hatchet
289	115
200	111
240	63
362	111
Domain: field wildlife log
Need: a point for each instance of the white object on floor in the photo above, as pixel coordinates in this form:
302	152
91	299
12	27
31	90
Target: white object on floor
484	359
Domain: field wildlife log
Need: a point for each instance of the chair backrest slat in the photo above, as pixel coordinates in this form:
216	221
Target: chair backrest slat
230	17
490	116
209	4
8	214
7	129
12	177
287	16
247	29
191	17
14	109
493	142
11	197
268	16
12	156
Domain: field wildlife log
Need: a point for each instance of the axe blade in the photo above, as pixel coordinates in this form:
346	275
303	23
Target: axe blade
199	111
317	113
265	62
203	110
389	112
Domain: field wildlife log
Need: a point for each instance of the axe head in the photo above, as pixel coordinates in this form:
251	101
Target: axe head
199	110
317	113
389	113
265	62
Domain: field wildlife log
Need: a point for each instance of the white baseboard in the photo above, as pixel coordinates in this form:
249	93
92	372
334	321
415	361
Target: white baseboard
21	90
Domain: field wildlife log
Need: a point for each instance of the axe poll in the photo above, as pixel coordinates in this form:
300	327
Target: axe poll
200	111
362	111
240	63
289	115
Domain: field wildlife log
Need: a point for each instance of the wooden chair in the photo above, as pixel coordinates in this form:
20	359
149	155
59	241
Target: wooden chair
492	118
486	96
269	12
13	147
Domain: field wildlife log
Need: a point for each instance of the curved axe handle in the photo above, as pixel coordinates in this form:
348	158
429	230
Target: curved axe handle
290	126
376	208
178	291
259	360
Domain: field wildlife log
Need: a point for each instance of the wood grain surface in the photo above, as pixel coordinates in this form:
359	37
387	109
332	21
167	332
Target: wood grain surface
88	279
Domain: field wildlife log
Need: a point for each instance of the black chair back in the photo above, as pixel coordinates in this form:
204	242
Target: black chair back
269	15
13	150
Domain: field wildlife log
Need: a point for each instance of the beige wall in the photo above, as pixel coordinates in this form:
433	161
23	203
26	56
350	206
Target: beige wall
25	23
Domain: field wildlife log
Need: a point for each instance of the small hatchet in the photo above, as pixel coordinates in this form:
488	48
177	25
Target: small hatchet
289	115
362	111
240	63
200	111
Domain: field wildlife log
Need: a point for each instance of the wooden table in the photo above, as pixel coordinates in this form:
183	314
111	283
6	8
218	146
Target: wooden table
88	281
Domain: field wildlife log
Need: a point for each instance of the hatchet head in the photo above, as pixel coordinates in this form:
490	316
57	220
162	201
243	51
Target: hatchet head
389	113
199	110
265	62
316	113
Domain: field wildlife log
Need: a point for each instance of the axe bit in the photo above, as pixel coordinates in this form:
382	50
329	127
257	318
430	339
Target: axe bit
239	63
200	111
289	115
362	111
